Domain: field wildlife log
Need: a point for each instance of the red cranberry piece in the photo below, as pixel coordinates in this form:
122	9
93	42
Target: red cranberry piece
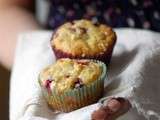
82	30
47	84
78	83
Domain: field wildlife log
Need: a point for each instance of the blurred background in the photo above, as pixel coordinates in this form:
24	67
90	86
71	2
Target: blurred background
4	93
17	16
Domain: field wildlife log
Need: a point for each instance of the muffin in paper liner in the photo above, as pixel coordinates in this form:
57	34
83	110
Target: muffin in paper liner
105	57
76	98
83	39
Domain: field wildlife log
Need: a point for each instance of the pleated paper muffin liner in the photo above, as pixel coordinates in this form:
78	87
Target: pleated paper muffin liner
77	98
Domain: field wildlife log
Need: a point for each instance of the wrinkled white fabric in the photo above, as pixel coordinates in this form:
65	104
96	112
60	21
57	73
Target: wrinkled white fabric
134	73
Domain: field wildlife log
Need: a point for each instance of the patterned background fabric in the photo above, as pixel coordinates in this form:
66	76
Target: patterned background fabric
116	13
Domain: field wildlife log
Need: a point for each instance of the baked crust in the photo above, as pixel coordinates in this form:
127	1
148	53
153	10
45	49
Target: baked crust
67	74
83	39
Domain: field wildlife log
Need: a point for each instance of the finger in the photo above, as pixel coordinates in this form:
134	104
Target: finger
118	106
115	107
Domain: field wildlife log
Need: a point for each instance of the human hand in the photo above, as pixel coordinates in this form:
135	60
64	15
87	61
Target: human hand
114	108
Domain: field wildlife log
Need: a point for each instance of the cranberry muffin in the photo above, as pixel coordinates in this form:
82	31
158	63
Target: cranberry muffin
70	84
84	40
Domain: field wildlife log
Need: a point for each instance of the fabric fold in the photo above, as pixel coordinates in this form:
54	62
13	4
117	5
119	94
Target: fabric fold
133	73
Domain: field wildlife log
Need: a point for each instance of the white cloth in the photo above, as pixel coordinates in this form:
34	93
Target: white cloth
134	72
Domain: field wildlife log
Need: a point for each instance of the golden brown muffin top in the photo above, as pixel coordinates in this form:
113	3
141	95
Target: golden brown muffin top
83	38
68	74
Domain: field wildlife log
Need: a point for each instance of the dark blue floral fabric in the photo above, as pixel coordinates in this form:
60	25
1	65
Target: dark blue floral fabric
116	13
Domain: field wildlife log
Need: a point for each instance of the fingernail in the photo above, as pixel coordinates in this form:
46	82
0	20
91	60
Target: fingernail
114	105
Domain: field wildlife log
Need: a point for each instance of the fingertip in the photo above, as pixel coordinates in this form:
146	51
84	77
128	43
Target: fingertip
114	105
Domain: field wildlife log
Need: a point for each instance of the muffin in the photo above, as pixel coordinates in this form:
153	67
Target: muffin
70	84
83	39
